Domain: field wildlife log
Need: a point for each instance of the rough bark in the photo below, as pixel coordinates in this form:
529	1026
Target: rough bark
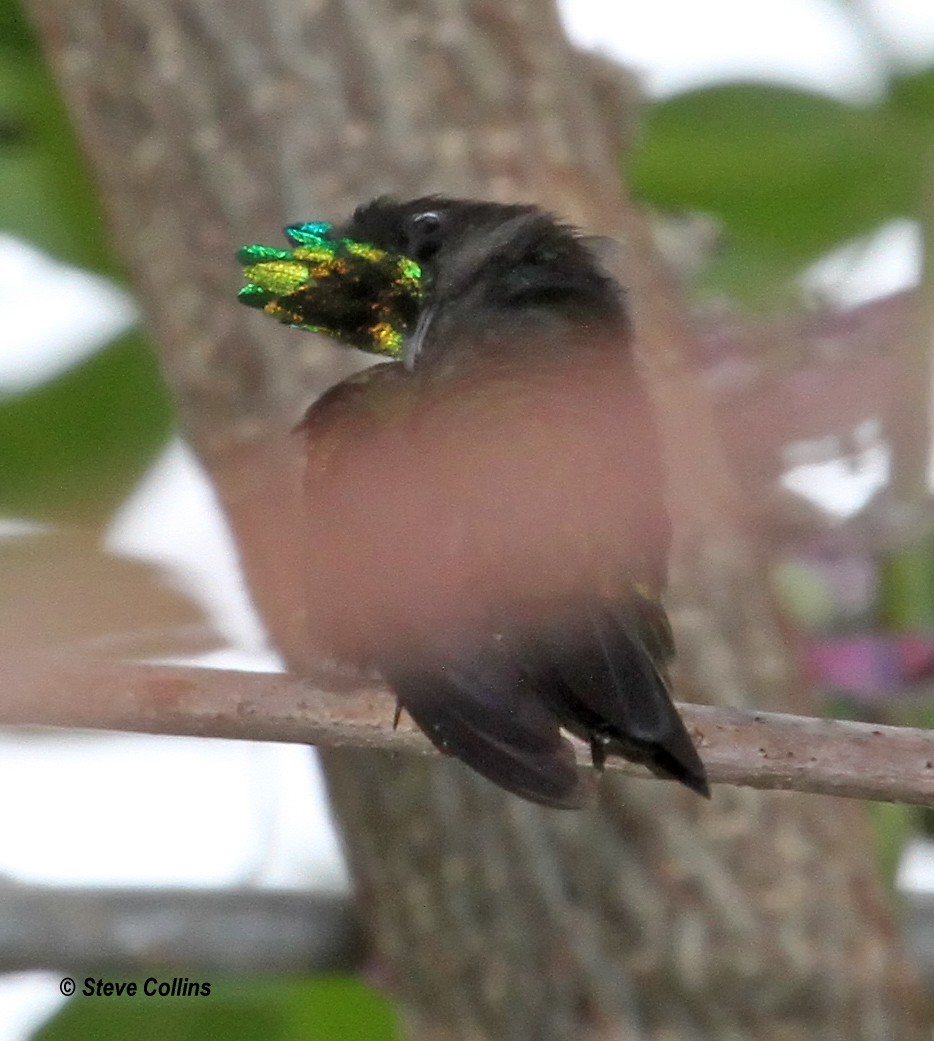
655	915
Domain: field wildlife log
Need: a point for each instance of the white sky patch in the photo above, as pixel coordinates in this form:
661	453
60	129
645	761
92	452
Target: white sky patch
38	341
173	519
885	262
27	1000
906	26
17	527
916	868
107	809
841	487
681	44
265	659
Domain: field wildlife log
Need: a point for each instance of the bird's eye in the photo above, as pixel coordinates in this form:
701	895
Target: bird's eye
424	234
427	222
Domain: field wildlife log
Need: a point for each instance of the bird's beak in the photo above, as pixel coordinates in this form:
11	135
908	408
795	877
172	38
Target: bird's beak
412	347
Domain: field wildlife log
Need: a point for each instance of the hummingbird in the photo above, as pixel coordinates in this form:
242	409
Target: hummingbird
484	515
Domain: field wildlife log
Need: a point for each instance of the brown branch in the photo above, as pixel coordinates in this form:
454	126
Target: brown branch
753	749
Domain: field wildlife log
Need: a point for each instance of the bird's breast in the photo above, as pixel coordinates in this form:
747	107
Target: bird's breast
442	507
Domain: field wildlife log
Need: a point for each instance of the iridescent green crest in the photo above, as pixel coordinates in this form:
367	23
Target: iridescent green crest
352	291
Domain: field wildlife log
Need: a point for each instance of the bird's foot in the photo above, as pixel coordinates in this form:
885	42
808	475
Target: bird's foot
598	752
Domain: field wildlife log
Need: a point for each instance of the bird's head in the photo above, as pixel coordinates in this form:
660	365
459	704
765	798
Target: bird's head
416	279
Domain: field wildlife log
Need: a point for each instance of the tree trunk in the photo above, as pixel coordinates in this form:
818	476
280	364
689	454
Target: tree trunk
651	915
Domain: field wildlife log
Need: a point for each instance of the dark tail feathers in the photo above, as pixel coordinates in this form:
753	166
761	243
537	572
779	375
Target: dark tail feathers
500	710
483	712
607	688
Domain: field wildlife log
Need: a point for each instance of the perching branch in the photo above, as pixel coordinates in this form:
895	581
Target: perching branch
754	749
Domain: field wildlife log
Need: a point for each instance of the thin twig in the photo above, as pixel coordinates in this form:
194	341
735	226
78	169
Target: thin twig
754	749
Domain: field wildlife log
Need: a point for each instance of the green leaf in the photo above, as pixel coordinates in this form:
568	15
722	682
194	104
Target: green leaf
789	174
47	195
805	595
15	32
339	1009
893	824
911	96
76	446
906	594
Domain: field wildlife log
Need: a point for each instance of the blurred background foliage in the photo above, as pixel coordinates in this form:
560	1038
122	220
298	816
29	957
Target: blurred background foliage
235	1010
787	175
75	446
